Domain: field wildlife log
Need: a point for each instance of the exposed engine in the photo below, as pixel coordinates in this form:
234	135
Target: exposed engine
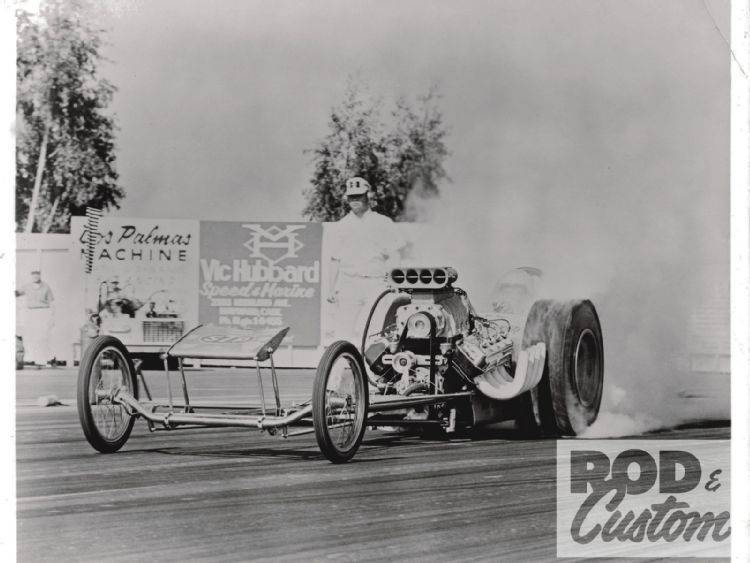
434	342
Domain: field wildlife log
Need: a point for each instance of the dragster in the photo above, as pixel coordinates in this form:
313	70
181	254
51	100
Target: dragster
433	364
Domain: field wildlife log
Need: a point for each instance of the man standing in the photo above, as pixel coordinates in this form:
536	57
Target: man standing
367	245
38	319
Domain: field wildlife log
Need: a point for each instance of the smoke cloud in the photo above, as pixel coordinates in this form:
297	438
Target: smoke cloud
649	257
604	162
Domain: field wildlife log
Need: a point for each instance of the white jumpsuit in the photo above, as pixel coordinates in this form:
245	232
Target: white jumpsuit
36	322
366	248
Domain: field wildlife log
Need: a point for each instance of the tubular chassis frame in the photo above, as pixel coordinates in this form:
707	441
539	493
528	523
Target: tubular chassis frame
275	419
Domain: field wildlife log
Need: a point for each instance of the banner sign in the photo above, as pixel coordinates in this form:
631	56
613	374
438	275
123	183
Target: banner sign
141	269
262	275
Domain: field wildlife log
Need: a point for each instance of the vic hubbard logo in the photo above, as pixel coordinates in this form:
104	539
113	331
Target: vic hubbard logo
273	244
638	498
268	247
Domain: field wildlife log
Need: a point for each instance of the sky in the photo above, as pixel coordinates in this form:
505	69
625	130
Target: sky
605	100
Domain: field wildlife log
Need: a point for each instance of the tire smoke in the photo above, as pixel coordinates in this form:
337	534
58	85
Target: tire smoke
645	263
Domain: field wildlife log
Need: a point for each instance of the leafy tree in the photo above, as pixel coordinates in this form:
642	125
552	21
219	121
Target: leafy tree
402	158
65	151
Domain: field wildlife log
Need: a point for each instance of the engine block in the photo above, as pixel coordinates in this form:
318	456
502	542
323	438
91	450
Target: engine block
437	338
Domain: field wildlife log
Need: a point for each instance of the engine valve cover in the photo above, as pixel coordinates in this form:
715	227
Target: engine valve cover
474	356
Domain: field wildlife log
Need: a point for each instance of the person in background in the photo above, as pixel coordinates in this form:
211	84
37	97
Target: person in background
89	330
151	313
114	291
113	310
367	246
38	319
114	317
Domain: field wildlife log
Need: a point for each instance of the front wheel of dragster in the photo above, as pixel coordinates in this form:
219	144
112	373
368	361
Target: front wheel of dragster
569	394
340	402
106	369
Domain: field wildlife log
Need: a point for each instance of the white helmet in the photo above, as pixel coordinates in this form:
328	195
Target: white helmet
356	186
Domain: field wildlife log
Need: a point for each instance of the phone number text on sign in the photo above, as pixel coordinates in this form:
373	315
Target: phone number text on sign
256	275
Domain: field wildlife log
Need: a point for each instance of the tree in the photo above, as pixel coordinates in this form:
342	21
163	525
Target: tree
402	158
65	151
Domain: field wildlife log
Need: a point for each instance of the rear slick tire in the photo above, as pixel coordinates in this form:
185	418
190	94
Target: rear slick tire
569	395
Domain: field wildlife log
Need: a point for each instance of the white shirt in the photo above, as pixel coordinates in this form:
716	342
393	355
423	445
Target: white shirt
368	245
38	295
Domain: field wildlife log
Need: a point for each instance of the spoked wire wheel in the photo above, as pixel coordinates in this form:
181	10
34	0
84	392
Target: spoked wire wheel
105	370
340	402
